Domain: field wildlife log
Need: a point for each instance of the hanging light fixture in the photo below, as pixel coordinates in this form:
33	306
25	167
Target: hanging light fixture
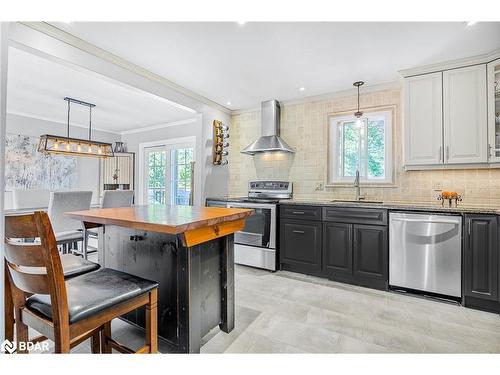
358	113
54	144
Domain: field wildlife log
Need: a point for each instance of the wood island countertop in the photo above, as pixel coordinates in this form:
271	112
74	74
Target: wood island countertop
196	223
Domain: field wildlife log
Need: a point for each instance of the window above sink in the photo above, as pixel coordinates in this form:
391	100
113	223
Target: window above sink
360	144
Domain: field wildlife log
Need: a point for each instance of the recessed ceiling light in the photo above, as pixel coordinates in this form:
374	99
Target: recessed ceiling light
470	23
228	103
302	88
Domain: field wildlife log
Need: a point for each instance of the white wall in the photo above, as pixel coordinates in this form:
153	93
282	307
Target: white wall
87	168
3	102
209	179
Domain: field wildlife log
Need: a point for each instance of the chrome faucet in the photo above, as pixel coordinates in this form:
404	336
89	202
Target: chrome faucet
356	185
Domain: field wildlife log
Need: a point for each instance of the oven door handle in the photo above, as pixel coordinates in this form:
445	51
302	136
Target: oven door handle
251	205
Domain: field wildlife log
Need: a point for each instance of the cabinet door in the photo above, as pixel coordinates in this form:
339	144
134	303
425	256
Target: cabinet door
494	110
423	125
465	115
370	252
300	246
337	249
481	257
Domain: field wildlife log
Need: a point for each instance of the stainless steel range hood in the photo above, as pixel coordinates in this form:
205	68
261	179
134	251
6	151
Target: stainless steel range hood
270	139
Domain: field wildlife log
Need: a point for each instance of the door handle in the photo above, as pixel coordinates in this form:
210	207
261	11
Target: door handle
298	231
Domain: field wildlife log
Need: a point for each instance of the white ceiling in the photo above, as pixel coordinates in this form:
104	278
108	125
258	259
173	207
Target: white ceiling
245	64
36	88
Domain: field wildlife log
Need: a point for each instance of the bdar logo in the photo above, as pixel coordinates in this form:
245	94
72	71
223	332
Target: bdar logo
8	347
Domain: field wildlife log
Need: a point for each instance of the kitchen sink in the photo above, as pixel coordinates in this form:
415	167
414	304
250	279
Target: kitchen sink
355	201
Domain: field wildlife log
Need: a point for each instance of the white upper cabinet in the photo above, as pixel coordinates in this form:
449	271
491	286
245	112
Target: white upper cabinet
465	115
423	120
494	110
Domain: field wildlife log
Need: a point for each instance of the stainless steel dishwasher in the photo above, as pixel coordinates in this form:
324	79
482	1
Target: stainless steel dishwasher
425	252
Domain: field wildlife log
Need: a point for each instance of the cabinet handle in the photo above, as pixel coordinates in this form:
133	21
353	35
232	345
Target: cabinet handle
447	153
468	226
298	231
440	154
298	212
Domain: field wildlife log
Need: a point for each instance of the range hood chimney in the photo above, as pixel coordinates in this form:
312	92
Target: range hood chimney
270	139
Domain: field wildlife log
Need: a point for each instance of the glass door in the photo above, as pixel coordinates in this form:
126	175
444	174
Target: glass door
169	174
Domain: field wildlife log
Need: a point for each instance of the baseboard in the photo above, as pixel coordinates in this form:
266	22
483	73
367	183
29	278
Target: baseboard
482	304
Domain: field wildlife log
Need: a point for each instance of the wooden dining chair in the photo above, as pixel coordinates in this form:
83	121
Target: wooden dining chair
72	266
69	312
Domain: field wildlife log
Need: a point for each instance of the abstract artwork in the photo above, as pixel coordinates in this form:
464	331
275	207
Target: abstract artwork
26	168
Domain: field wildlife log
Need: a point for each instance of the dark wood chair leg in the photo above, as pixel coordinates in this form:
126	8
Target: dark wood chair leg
152	322
105	334
9	309
95	343
22	335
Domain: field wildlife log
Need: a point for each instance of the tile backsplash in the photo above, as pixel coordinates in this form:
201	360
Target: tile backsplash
304	127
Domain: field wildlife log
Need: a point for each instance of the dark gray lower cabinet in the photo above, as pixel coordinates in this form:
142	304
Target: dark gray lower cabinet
300	246
337	249
481	258
370	252
356	254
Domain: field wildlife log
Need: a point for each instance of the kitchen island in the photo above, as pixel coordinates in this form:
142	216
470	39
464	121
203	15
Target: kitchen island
188	250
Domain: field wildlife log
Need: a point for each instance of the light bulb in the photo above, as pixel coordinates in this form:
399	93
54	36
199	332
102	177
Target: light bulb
359	122
56	146
68	146
89	149
99	151
79	147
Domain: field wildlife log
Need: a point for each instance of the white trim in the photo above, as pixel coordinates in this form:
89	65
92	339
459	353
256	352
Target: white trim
191	140
160	126
451	64
54	32
393	85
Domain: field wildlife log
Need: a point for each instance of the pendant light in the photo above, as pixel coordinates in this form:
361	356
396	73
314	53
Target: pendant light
53	144
358	113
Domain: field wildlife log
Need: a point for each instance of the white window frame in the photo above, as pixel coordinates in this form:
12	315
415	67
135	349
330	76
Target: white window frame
333	141
167	145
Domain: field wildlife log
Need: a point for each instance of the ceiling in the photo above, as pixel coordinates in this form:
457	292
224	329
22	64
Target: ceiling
245	64
36	88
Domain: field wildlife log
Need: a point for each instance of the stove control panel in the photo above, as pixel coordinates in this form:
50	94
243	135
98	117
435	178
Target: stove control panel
270	189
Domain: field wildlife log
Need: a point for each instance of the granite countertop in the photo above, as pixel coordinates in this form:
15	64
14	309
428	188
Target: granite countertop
407	206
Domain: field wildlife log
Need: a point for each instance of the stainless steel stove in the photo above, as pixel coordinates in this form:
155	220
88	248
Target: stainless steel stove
255	245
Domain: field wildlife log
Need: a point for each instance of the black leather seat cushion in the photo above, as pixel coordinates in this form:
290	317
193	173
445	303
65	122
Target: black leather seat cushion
75	266
93	292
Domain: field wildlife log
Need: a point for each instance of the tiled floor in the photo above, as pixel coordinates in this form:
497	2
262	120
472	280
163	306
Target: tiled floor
285	312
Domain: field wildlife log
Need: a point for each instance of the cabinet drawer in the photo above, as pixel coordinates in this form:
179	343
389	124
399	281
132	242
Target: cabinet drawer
301	212
355	215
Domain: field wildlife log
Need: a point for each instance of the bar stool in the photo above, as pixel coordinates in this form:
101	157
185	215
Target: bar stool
68	231
72	266
110	199
69	312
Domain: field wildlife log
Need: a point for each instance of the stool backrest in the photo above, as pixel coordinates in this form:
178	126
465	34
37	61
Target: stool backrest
117	198
30	198
66	201
35	267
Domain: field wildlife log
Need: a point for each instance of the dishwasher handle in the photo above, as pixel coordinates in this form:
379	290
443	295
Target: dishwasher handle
455	222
